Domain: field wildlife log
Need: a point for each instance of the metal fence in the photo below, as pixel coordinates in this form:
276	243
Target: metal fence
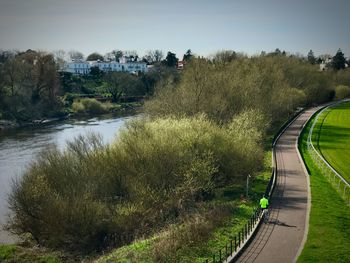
235	246
337	181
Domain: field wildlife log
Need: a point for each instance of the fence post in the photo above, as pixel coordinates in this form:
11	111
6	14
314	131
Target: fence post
231	247
236	240
239	238
214	261
220	255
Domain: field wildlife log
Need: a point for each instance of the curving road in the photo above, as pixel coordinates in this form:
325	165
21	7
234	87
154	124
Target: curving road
283	237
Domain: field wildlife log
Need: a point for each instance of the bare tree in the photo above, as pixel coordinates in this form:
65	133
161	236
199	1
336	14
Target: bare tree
60	57
224	56
154	56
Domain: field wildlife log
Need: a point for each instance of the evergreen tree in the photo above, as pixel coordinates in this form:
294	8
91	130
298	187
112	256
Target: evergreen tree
311	58
171	60
338	61
188	55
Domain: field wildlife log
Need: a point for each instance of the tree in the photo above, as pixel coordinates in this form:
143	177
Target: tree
118	54
109	56
75	55
338	61
225	56
188	55
31	83
154	56
115	83
311	58
14	75
6	54
123	84
96	72
94	56
60	58
131	53
171	60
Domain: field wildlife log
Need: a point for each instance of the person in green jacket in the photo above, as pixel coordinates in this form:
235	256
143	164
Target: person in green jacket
264	204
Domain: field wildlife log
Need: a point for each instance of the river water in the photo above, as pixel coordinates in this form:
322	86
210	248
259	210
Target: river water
19	147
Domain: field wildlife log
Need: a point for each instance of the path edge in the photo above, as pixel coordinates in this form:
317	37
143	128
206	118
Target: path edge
307	175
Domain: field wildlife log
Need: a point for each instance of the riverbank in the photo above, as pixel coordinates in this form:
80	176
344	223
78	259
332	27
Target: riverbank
8	125
19	147
123	109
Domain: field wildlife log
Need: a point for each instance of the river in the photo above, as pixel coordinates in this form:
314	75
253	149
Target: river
21	146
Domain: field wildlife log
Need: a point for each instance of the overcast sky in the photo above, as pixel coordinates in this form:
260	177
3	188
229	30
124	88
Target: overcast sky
204	26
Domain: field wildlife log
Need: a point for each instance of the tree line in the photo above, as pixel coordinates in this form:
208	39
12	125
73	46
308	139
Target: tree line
33	84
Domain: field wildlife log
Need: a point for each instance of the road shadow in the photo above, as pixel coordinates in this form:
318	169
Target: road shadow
279	223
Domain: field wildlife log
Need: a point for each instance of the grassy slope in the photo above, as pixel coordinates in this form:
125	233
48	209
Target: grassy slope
333	138
16	254
141	251
329	227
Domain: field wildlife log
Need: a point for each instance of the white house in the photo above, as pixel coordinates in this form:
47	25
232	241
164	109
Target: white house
78	67
83	67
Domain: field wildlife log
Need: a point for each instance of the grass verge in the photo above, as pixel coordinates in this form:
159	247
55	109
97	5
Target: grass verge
332	137
329	226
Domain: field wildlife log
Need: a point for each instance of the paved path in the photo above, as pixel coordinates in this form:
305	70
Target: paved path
280	239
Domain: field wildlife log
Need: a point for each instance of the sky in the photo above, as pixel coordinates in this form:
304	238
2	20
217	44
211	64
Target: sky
204	26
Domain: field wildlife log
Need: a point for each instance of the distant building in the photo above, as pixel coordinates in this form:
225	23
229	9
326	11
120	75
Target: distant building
180	64
78	67
124	65
326	63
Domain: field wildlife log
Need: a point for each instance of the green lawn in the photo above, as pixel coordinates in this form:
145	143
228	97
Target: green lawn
332	137
329	226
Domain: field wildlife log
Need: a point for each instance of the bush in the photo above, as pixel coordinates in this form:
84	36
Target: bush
88	196
342	92
89	106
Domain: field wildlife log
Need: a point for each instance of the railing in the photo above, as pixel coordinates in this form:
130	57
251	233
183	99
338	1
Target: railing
338	182
235	246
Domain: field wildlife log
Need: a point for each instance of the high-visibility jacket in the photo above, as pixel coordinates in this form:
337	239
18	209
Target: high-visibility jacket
264	203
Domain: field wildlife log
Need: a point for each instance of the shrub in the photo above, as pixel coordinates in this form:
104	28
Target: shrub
87	196
342	92
89	106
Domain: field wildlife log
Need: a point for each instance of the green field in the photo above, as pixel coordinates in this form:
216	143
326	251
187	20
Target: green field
329	226
331	136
